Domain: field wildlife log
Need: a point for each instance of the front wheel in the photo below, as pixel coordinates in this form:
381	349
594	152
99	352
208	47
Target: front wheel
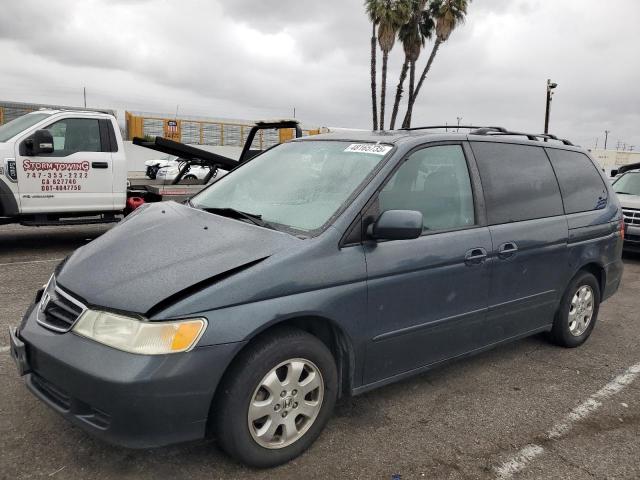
578	311
276	399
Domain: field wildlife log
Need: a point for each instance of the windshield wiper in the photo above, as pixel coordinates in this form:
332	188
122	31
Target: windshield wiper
239	215
625	193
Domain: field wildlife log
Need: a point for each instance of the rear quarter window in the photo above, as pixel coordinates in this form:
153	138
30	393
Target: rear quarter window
580	183
518	182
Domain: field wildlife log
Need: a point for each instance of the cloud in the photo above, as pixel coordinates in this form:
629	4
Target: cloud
248	59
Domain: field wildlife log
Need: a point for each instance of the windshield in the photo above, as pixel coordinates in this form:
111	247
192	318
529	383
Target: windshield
17	125
628	183
299	184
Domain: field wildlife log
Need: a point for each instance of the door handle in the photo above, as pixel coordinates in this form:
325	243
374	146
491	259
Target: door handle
475	256
99	164
507	250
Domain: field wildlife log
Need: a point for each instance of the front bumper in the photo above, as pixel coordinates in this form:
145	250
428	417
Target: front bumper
631	238
137	401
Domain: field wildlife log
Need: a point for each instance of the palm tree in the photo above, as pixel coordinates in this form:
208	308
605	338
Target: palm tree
412	35
448	14
372	8
391	14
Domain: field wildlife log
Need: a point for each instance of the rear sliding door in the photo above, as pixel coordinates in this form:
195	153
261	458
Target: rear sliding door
529	259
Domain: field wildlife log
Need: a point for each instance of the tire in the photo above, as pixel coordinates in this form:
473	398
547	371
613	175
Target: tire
244	395
190	177
578	311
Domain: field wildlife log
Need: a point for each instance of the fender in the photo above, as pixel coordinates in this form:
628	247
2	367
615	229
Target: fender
8	204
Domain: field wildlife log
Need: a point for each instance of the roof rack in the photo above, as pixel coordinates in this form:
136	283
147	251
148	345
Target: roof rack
475	130
530	136
467	127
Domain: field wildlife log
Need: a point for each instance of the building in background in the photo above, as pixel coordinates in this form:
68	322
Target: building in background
612	160
210	131
204	130
223	136
12	110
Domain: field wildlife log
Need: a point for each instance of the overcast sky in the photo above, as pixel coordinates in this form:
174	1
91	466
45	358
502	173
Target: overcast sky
259	59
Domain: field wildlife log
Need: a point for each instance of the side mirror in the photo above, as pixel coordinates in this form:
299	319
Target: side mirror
397	225
40	142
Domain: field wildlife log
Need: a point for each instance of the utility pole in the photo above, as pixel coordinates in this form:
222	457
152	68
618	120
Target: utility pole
606	136
459	118
84	94
550	87
596	147
294	112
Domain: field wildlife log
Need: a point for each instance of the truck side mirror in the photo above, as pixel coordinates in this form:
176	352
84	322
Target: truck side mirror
37	144
397	225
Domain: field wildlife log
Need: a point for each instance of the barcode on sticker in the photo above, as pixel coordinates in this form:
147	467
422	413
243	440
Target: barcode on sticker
375	148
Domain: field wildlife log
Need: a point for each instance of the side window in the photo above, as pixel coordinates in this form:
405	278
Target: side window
518	182
581	184
73	135
434	181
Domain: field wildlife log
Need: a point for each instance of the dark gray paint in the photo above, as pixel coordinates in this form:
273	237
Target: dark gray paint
422	295
161	251
527	285
399	307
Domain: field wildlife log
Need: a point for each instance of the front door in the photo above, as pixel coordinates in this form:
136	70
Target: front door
427	298
77	176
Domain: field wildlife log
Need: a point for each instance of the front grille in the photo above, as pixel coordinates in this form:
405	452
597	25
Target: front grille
631	216
631	238
58	310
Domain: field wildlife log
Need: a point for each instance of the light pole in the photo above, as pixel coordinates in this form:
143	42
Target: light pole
550	86
606	136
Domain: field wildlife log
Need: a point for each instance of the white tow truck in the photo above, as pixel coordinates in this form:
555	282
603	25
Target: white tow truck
69	167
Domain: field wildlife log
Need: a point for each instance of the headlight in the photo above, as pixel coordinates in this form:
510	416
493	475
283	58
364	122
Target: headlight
136	336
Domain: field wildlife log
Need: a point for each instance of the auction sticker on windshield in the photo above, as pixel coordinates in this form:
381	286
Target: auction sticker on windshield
368	148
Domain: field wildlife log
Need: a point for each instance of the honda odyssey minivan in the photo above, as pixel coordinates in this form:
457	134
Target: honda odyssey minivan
324	267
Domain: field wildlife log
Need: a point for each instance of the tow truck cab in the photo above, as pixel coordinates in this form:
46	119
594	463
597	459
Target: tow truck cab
56	163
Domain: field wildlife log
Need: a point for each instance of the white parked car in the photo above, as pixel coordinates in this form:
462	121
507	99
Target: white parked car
168	170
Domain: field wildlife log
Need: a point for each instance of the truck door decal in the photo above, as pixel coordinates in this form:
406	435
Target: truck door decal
57	176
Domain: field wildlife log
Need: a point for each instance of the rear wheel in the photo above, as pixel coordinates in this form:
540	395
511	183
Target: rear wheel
276	399
578	311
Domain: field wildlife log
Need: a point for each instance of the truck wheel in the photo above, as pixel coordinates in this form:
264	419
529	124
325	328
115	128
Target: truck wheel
276	398
578	311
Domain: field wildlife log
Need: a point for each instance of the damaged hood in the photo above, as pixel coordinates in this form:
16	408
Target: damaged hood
161	251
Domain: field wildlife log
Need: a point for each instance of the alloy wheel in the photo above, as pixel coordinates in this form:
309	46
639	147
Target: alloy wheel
581	310
286	403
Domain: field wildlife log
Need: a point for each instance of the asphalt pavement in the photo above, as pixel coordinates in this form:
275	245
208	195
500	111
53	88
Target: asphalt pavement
528	410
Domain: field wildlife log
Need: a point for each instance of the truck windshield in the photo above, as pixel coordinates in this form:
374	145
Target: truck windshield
17	125
299	185
628	184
